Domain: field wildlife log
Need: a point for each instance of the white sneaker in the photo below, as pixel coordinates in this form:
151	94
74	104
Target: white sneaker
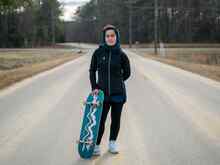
113	147
97	150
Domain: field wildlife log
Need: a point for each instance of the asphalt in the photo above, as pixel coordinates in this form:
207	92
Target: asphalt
172	117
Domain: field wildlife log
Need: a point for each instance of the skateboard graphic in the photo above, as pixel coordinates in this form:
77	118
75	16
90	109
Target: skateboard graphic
90	124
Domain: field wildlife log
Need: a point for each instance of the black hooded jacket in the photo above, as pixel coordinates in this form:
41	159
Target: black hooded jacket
113	68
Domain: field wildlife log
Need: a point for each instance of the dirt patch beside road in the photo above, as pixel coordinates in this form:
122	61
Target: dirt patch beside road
18	65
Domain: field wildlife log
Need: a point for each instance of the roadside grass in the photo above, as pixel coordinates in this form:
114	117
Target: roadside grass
16	65
205	61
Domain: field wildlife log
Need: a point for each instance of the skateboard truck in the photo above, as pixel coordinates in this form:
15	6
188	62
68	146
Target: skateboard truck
90	142
91	103
94	102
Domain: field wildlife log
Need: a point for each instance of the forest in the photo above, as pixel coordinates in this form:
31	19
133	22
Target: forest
179	21
33	23
30	23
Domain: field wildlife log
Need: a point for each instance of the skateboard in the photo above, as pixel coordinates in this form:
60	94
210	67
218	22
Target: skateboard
90	124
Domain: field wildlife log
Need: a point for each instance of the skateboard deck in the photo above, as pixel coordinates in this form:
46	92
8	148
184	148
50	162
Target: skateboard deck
90	124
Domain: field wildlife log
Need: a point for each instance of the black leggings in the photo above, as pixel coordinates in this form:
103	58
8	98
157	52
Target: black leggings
116	109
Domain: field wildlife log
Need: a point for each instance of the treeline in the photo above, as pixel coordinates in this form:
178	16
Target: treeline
178	20
30	23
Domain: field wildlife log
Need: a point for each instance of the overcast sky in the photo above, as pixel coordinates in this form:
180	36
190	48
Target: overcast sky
70	6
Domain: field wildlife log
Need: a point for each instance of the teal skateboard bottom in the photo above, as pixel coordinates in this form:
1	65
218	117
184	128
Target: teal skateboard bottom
90	124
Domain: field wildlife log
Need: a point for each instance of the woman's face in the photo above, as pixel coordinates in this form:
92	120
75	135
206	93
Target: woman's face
110	37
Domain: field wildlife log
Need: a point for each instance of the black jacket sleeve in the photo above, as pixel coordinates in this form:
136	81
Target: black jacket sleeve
126	69
92	71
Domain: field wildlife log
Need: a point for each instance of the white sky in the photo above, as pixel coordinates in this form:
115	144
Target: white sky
70	7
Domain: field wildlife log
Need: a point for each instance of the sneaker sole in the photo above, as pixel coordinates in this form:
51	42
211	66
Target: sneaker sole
113	152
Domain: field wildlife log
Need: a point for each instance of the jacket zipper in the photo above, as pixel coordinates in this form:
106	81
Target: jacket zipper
109	62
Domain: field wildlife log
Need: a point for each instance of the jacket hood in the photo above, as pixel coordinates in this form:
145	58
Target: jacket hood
103	42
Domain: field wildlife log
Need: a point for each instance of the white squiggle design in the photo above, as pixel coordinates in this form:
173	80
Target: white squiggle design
86	128
89	128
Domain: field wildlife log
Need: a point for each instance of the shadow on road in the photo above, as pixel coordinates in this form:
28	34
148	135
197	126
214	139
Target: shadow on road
97	160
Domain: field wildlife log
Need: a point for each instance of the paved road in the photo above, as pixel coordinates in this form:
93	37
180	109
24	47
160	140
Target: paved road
172	117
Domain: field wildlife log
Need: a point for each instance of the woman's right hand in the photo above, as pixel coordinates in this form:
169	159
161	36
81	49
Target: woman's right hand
95	91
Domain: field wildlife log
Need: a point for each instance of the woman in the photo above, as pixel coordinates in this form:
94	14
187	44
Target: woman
113	68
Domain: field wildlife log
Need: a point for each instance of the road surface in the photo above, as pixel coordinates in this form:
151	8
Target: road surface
172	117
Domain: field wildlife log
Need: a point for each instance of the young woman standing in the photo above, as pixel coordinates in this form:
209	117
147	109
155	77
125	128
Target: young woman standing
113	68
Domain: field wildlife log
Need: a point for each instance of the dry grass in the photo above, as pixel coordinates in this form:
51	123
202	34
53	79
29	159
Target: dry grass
175	45
210	71
18	66
209	56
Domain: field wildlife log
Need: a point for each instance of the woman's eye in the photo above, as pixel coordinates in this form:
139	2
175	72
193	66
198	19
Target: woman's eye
110	36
